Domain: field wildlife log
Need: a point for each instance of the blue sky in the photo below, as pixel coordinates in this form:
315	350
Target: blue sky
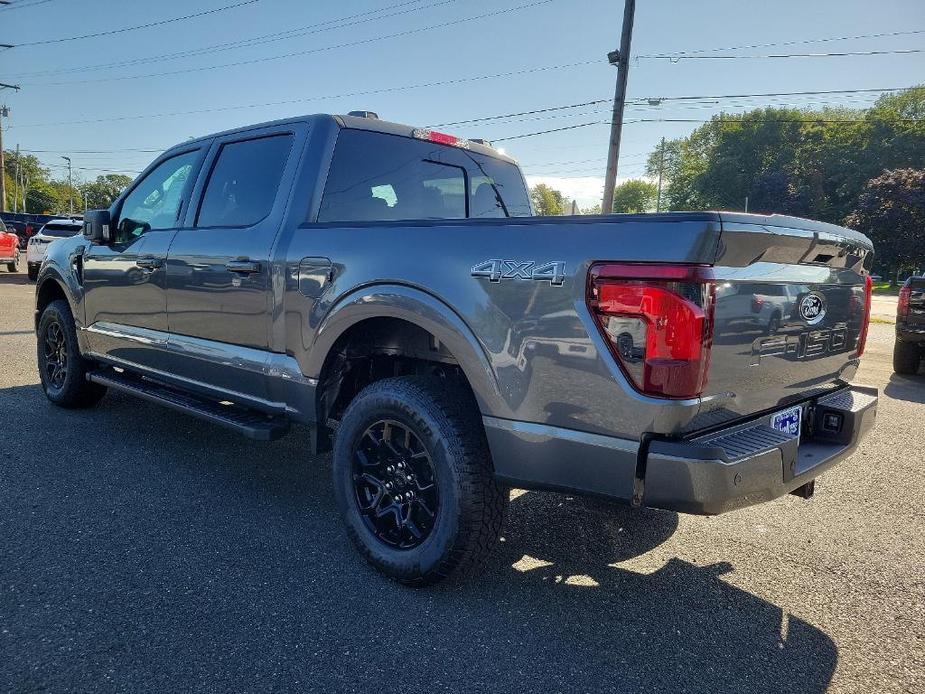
522	37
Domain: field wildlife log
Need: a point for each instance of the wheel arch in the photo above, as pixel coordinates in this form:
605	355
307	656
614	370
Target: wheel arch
411	313
49	288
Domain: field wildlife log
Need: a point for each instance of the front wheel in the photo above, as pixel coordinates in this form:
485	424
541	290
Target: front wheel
906	358
413	480
61	367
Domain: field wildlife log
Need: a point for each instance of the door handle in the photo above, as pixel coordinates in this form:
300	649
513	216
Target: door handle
149	263
243	265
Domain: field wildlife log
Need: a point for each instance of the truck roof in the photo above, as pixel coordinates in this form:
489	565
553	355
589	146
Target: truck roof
346	121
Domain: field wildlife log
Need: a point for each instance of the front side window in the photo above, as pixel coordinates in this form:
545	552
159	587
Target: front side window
155	202
243	183
379	177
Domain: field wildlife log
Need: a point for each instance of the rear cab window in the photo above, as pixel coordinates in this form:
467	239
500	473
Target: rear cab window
381	177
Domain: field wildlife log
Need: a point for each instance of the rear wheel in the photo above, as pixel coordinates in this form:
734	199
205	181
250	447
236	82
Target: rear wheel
61	367
906	358
414	482
13	265
33	273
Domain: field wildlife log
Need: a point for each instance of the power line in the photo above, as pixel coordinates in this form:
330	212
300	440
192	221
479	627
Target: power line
23	4
316	28
309	51
840	54
161	22
730	121
520	113
345	95
803	42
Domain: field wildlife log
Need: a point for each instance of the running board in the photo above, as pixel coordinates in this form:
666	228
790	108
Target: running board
252	424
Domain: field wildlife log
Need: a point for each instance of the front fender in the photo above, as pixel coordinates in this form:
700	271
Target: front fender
61	266
424	310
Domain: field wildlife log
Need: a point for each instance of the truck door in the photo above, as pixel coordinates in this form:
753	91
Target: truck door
218	270
125	300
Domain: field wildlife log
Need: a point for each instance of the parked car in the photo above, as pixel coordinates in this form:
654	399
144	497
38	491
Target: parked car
909	349
388	287
9	248
53	230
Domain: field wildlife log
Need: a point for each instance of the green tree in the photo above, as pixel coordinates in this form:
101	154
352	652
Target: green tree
810	163
547	201
101	192
891	211
42	198
30	171
635	195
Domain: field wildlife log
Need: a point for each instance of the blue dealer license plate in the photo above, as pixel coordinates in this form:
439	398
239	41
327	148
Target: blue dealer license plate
788	421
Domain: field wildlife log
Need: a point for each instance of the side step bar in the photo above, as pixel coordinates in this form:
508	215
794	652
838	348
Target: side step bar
253	425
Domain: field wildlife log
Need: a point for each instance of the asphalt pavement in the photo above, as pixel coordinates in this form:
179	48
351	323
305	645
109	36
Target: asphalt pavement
141	550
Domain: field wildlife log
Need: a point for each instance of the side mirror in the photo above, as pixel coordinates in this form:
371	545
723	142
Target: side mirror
96	226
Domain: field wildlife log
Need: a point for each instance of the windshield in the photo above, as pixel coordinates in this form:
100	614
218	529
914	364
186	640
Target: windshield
60	231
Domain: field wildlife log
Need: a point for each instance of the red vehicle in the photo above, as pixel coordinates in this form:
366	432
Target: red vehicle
9	249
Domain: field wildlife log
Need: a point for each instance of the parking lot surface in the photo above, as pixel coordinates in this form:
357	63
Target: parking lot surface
142	550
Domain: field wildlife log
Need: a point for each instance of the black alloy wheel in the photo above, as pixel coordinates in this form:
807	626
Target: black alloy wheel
395	486
414	481
62	368
56	357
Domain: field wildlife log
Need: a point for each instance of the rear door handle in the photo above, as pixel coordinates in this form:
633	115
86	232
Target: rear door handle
150	263
243	265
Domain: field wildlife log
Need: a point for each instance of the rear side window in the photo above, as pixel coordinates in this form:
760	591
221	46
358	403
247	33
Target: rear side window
380	177
243	182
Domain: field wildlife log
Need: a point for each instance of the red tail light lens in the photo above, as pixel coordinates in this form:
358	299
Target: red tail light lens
658	321
902	308
868	292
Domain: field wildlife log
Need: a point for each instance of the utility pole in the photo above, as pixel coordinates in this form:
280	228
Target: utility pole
70	185
4	113
661	165
621	59
16	183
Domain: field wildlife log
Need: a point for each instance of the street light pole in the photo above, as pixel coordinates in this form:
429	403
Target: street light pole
621	59
70	185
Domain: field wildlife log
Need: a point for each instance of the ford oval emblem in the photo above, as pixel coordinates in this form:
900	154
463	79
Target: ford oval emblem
812	308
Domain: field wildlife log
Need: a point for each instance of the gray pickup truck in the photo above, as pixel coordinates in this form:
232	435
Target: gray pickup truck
388	288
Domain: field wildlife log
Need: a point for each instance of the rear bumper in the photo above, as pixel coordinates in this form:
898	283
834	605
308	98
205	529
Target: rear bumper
736	467
753	463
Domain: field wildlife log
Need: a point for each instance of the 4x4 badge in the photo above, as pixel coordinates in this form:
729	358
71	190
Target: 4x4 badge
496	270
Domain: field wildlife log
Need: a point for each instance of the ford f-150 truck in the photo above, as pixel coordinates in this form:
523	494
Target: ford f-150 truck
389	288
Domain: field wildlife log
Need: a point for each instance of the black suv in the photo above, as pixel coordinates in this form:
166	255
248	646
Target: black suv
910	327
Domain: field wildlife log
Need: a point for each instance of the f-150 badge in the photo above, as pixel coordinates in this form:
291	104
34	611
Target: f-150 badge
496	270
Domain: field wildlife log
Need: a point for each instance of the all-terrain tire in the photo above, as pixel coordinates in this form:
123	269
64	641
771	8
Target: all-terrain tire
61	367
906	358
446	421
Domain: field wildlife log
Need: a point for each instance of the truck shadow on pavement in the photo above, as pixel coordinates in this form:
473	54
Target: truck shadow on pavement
14	277
910	388
148	550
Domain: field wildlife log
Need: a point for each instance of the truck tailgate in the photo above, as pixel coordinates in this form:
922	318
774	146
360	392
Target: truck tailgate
790	311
